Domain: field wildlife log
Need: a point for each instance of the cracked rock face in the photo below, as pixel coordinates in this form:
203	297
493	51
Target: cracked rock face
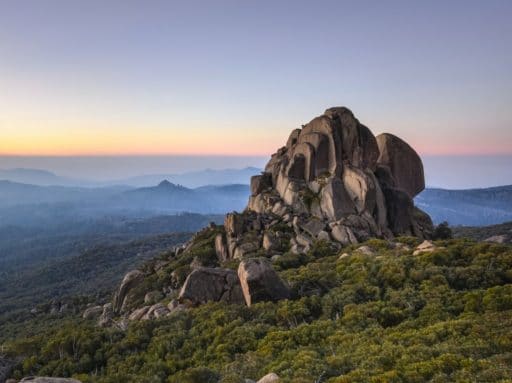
336	170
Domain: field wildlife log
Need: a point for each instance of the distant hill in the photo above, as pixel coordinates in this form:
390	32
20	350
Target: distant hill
26	205
189	179
38	177
472	207
501	233
15	194
195	179
171	197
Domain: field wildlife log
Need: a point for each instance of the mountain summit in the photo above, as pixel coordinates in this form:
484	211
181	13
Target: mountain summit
334	180
333	184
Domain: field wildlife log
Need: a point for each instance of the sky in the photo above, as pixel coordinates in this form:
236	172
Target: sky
233	78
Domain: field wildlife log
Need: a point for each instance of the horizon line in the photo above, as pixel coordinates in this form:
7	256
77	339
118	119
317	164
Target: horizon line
155	155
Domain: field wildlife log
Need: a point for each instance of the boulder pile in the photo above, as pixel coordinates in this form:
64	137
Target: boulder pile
333	180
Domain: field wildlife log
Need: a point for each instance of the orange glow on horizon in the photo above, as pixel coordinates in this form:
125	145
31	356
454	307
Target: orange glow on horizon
195	139
56	139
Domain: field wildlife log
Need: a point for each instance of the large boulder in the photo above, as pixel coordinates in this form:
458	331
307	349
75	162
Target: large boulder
139	313
343	234
92	312
269	378
156	311
260	282
403	162
212	284
130	280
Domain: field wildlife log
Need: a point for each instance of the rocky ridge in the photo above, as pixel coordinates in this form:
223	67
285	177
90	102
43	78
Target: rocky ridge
333	182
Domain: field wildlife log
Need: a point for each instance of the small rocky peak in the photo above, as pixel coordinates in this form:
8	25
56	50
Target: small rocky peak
165	184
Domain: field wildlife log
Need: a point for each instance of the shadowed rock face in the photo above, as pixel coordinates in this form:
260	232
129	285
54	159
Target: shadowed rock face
130	280
403	162
334	168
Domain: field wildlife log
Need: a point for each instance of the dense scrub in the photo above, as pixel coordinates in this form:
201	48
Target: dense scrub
444	316
74	281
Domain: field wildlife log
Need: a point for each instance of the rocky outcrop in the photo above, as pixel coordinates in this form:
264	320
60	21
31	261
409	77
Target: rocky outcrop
335	170
156	311
212	284
260	282
130	280
426	247
93	312
106	316
497	239
139	313
153	297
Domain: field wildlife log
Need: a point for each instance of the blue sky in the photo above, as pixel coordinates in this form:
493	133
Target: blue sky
234	77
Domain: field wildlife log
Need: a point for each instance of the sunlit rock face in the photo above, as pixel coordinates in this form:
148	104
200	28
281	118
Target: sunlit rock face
336	170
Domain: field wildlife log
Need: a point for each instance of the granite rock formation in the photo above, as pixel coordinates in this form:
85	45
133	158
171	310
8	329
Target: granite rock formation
335	170
334	183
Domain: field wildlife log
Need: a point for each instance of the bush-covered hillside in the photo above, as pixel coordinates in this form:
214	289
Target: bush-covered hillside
495	233
444	316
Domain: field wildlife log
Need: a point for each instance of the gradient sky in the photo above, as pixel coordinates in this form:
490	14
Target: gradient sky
234	77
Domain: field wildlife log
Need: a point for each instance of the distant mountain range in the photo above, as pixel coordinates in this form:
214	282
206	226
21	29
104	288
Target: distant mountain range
189	179
471	207
169	197
38	177
208	191
33	205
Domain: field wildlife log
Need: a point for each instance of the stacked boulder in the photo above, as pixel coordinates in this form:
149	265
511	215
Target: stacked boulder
340	182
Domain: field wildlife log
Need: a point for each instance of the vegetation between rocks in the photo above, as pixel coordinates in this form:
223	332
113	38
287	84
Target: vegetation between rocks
441	316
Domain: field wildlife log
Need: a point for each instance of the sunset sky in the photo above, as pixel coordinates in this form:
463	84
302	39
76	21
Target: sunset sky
234	77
